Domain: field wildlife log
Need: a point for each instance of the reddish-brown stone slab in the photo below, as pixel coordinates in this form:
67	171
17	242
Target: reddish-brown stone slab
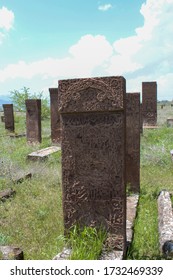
133	141
9	117
93	154
55	116
33	120
149	103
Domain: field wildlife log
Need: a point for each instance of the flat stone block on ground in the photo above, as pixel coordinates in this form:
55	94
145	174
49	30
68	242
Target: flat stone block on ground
43	153
6	194
11	253
17	135
21	178
165	220
132	202
150	126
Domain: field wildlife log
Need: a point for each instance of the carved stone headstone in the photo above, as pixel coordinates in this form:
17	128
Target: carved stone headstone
55	117
149	103
9	117
133	141
93	154
33	120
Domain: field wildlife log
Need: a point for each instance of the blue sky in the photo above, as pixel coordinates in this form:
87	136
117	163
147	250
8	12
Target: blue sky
42	41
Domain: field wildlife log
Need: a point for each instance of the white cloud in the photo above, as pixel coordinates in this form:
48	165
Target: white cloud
145	56
6	18
105	7
87	54
6	22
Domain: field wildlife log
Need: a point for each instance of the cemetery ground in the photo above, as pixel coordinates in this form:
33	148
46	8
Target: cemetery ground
32	219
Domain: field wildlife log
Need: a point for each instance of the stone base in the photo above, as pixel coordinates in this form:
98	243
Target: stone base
11	253
44	153
165	222
6	194
150	126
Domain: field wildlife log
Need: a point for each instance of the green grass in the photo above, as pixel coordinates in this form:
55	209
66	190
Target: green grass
33	220
156	174
86	243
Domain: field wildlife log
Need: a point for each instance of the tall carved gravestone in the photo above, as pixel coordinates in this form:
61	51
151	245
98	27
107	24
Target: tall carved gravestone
33	120
55	117
9	117
133	141
149	103
93	154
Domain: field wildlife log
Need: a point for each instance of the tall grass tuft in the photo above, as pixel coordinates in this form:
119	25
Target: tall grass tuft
86	243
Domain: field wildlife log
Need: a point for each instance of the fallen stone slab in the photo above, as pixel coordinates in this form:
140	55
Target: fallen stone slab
43	153
150	126
132	202
64	255
6	194
11	253
165	223
20	178
15	135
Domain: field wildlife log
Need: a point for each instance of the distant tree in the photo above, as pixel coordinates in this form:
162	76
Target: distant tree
18	98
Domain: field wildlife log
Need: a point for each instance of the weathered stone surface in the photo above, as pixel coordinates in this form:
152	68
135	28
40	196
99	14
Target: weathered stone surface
165	219
133	141
2	119
149	103
169	122
8	116
132	203
11	253
55	116
17	135
20	178
141	119
33	120
64	255
6	194
93	154
43	153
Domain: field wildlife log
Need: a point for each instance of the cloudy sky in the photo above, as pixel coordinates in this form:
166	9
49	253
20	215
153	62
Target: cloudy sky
43	41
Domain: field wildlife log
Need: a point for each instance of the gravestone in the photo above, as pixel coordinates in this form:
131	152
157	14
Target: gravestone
133	141
92	115
9	117
149	103
55	117
33	120
141	119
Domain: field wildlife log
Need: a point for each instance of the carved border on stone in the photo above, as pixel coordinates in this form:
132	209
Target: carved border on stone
70	92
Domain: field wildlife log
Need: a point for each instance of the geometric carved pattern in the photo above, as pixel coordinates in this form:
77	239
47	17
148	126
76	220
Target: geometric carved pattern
149	103
9	117
55	116
33	120
93	154
133	141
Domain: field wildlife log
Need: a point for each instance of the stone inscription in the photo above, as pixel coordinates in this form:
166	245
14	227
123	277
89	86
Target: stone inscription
149	103
33	120
55	116
93	155
133	141
9	117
